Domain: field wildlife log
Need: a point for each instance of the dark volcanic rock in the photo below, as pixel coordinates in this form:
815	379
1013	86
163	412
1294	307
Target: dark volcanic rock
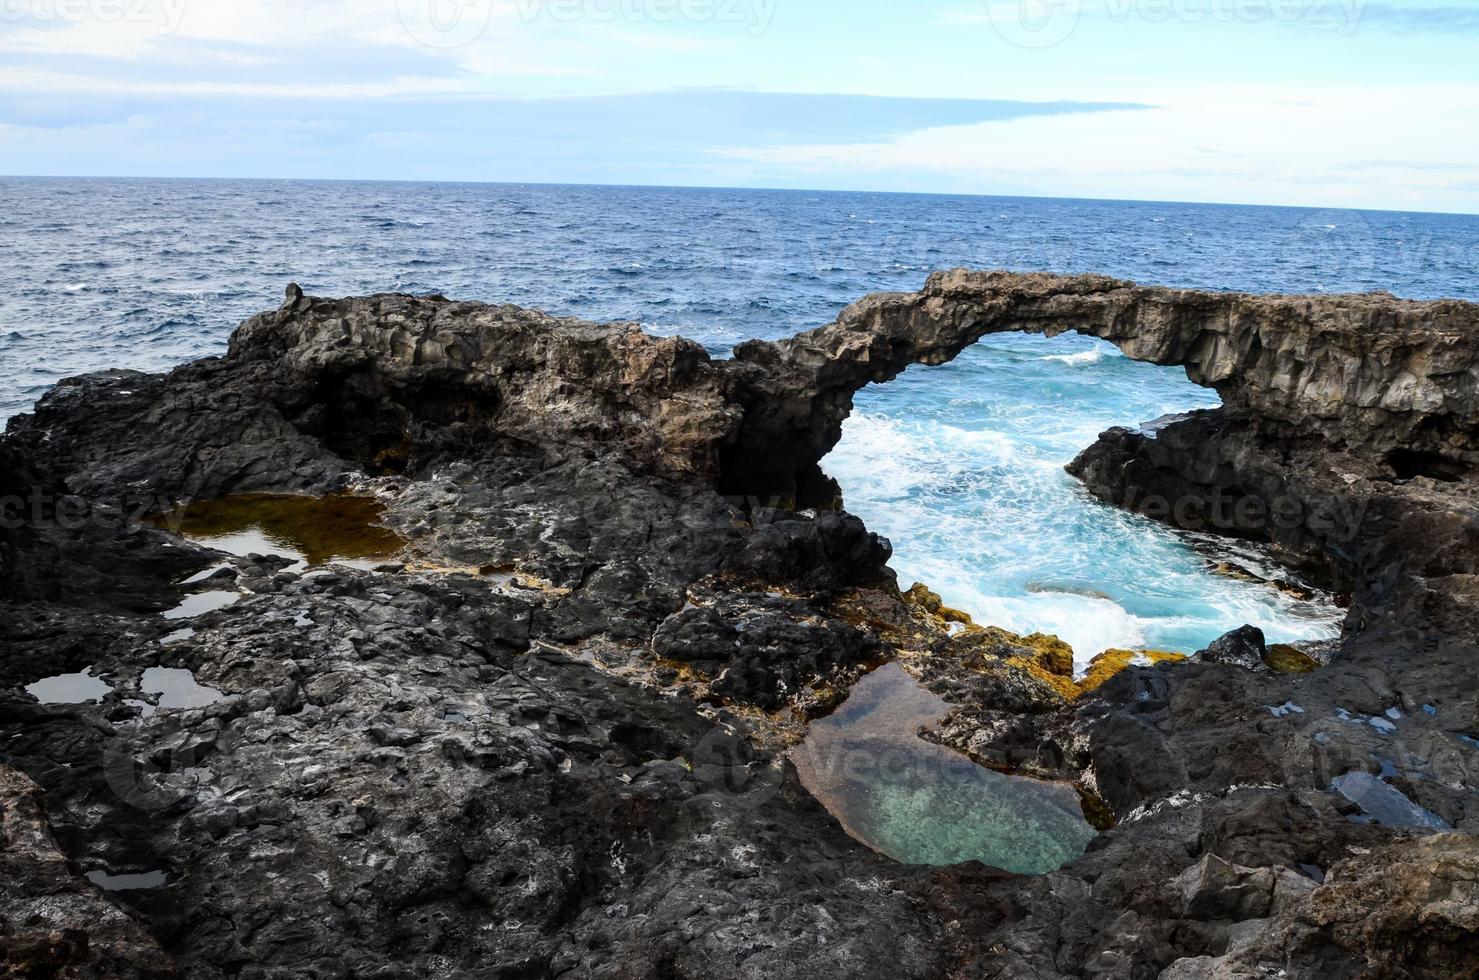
548	738
53	923
762	649
1244	647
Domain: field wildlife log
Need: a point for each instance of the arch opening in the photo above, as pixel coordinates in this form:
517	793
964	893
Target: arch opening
961	466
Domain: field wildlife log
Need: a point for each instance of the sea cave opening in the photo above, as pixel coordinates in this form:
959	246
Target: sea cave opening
961	466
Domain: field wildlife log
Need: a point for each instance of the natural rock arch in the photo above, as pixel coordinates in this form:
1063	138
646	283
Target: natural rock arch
1371	372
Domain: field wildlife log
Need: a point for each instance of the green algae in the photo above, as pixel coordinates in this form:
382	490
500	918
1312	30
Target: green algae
923	803
310	530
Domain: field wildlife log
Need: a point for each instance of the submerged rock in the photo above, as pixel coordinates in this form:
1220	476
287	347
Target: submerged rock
921	803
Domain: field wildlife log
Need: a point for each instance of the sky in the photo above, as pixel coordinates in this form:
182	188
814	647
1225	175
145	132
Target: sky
1321	103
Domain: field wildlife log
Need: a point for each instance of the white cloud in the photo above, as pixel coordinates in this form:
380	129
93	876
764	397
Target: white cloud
1234	143
192	37
58	83
1237	141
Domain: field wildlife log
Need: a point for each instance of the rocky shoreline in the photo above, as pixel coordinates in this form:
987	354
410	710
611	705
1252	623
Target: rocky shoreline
549	737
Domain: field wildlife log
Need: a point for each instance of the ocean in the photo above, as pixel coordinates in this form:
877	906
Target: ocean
960	465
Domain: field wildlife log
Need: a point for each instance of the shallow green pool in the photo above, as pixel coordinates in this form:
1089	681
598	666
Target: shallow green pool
921	803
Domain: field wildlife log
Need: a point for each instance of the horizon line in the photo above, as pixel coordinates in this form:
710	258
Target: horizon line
715	187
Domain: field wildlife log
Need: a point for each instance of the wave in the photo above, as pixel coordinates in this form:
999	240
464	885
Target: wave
1082	357
988	520
1089	624
387	224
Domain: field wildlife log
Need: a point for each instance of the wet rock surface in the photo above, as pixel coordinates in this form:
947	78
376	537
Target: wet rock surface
548	738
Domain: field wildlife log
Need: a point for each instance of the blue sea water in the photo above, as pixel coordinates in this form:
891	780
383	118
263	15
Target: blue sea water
959	465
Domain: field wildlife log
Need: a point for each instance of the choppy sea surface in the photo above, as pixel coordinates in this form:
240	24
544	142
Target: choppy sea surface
961	465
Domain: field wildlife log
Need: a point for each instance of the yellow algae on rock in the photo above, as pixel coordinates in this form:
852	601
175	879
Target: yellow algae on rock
1038	659
1112	662
1053	654
1289	660
1064	686
920	595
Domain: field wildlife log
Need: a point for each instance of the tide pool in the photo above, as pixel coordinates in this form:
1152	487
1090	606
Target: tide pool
922	803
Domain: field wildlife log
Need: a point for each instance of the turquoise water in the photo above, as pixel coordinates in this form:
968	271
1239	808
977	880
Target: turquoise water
921	803
961	466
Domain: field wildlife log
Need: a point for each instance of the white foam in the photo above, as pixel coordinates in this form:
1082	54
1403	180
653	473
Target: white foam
1089	625
1082	357
961	467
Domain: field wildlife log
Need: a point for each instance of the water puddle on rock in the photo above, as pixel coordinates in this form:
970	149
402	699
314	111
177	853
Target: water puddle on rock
1385	804
921	803
337	529
201	603
176	689
76	688
204	574
128	882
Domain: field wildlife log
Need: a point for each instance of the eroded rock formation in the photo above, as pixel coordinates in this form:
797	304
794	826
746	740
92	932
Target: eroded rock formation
548	739
1372	373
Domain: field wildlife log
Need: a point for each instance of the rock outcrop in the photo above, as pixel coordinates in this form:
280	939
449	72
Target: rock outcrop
548	739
